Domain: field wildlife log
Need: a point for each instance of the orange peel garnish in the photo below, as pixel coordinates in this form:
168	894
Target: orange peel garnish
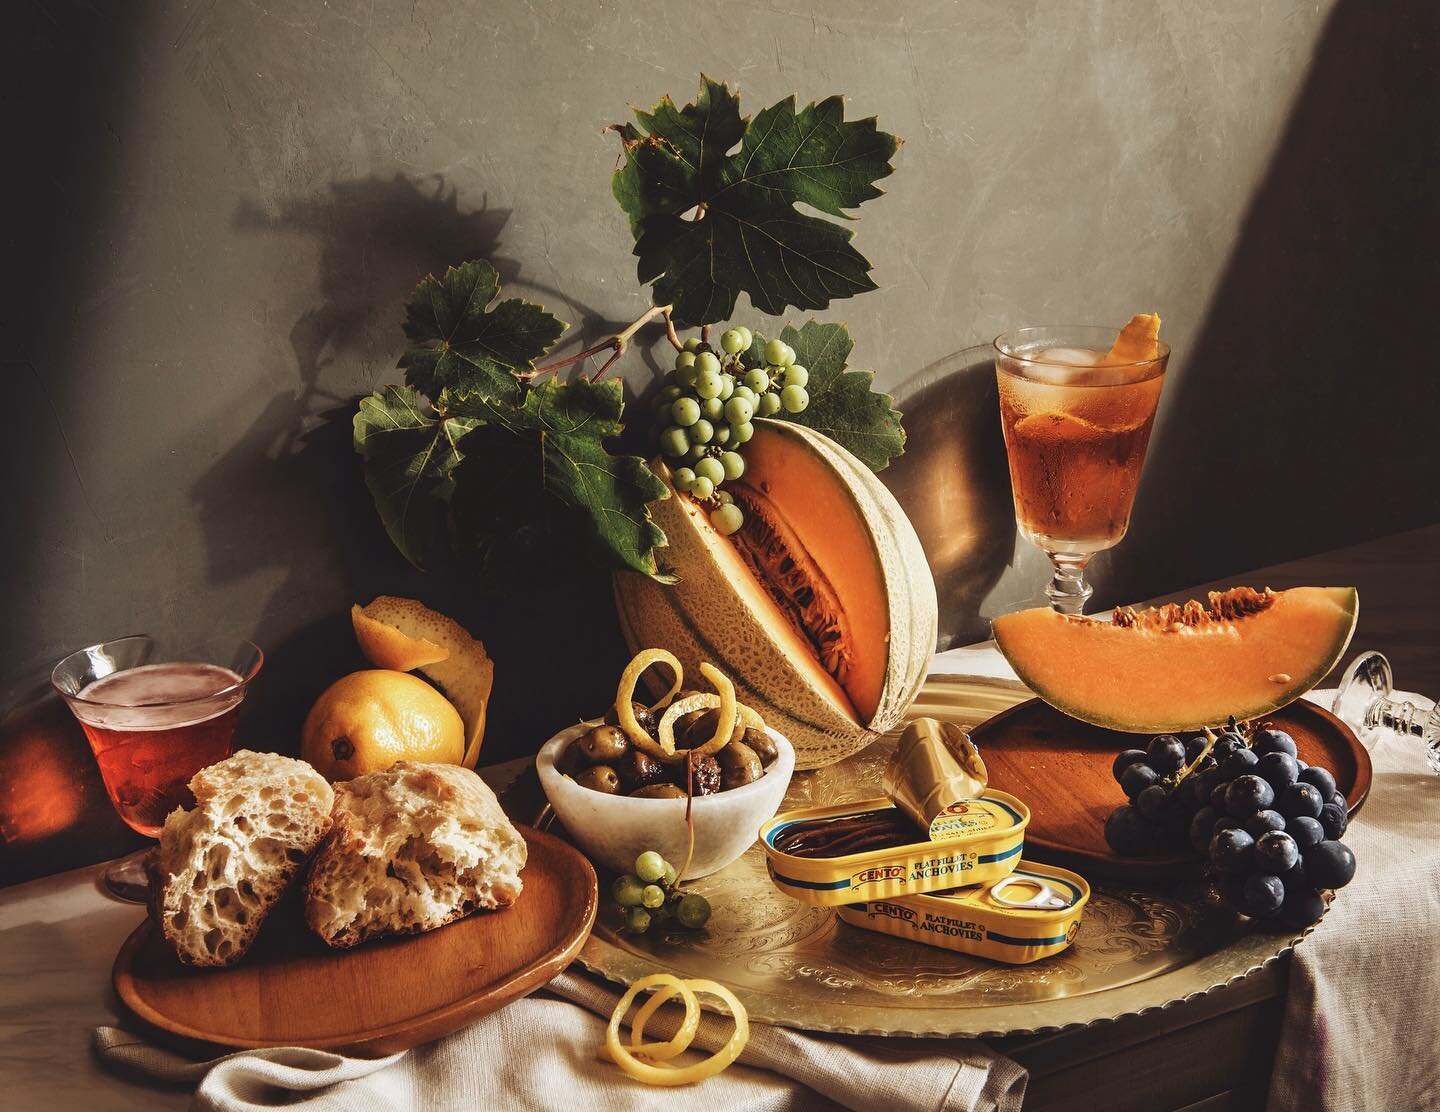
417	638
1137	341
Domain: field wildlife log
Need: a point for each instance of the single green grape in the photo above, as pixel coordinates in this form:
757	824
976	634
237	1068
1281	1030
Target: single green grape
748	394
674	442
670	875
702	488
727	387
769	405
626	890
741	433
695	452
637	919
701	432
732	342
692	344
797	376
649	866
747	336
693	911
684	359
775	353
670	393
733	464
727	518
739	410
685	412
725	496
712	409
706	362
757	379
722	433
684	478
711	468
652	895
794	399
685	377
708	383
789	358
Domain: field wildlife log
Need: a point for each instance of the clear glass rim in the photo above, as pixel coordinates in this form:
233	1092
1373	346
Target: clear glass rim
1003	346
238	643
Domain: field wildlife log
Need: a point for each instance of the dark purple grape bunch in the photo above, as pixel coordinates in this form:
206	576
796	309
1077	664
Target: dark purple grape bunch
1161	783
1271	831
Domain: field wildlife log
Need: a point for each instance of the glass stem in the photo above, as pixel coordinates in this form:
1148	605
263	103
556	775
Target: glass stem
1068	592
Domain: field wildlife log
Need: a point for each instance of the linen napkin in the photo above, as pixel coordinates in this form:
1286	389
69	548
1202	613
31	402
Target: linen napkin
541	1053
1364	1003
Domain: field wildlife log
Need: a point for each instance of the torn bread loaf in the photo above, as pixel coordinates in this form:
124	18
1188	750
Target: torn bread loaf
411	849
222	865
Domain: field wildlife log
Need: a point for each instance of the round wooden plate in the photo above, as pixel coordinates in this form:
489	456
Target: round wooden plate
1061	768
291	990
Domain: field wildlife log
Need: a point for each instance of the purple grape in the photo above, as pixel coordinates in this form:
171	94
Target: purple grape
1319	779
1232	891
1166	753
1300	800
1262	822
1226	744
1125	760
1247	795
1333	819
1307	832
1217	794
1154	803
1202	828
1194	746
1329	865
1263	896
1274	741
1301	908
1238	763
1232	851
1225	822
1276	853
1137	778
1128	833
1278	770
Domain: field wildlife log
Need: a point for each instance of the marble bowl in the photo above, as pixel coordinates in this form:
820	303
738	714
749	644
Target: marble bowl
613	830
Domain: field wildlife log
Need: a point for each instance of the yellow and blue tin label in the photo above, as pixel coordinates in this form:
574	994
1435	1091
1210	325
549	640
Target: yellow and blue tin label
982	841
1032	913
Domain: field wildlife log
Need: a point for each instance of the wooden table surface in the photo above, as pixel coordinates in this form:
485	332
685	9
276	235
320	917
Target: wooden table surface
1217	1052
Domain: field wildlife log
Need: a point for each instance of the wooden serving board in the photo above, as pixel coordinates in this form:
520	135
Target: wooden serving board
380	997
1061	768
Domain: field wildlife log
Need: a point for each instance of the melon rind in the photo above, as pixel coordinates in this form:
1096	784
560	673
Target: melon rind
1153	681
704	617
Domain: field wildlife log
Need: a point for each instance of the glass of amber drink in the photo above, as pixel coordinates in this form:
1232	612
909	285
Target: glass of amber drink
1076	421
156	710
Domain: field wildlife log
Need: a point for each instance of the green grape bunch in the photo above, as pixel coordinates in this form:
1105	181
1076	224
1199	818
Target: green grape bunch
705	410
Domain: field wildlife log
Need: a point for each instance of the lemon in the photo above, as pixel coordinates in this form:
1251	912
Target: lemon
371	719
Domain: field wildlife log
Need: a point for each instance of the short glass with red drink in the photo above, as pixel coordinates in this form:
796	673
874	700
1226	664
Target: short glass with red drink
156	710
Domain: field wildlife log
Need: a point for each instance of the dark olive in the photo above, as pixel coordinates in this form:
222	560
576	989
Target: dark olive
761	744
690	729
739	765
642	716
638	770
658	791
707	774
604	744
571	759
600	778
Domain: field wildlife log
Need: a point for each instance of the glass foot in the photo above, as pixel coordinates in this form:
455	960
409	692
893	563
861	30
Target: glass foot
125	879
1365	702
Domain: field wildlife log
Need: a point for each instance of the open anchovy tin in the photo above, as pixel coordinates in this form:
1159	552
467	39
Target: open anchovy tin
1030	914
981	842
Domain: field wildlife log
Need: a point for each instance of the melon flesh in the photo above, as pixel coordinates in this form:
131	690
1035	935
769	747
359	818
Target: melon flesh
1182	668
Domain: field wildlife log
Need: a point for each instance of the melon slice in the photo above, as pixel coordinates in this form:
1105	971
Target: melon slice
1182	667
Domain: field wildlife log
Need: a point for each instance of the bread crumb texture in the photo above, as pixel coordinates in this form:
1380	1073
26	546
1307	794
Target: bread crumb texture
412	848
221	866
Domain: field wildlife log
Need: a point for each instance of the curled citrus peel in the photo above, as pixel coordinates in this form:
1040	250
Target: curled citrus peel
1138	341
625	694
646	1061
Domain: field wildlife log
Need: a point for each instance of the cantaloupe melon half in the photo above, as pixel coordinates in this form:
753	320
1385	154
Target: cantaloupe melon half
840	530
1182	667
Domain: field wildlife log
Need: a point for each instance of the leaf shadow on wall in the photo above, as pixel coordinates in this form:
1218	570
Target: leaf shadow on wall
1305	417
290	493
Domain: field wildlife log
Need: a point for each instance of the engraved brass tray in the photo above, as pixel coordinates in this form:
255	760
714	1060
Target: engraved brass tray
798	966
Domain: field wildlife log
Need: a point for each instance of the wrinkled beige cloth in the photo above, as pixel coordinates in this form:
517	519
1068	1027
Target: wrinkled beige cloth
540	1053
1363	1012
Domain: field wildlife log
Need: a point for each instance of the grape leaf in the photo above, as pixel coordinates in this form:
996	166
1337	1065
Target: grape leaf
745	233
459	344
537	479
410	452
843	403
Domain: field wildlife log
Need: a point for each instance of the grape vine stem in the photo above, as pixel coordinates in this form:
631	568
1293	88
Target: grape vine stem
615	344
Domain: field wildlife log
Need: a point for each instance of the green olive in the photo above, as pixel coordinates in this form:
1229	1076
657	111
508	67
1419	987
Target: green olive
658	791
761	745
600	778
739	765
604	744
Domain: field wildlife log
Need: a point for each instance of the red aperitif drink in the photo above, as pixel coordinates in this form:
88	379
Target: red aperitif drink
152	728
